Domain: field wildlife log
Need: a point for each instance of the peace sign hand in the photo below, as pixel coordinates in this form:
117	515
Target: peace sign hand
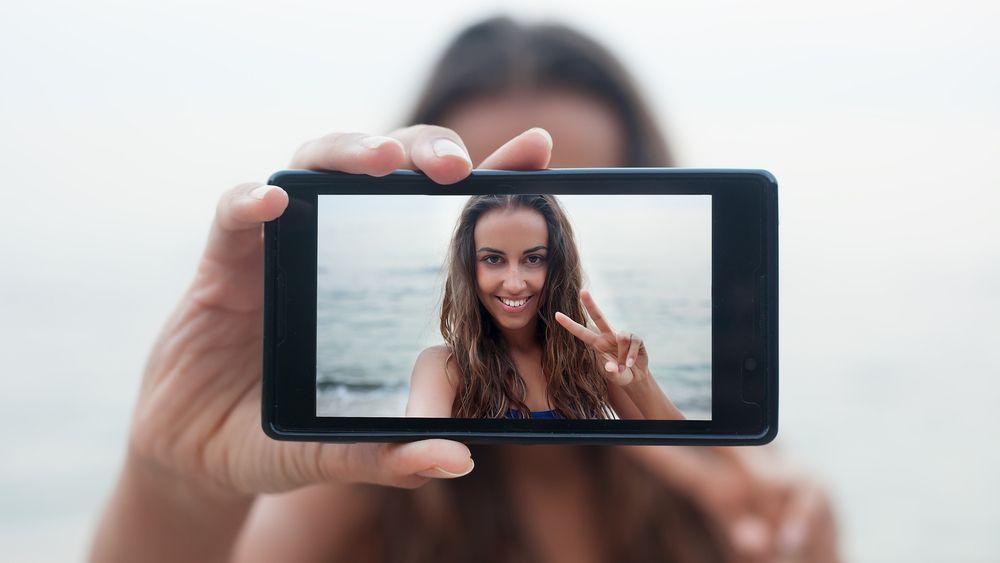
624	353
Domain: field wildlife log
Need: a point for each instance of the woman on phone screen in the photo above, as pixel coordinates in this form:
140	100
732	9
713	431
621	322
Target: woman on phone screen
513	349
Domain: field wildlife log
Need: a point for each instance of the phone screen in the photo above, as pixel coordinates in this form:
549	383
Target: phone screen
384	261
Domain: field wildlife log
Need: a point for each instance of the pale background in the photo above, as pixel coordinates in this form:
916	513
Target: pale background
121	122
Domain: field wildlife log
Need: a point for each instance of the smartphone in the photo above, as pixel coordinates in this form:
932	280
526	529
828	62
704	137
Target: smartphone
505	307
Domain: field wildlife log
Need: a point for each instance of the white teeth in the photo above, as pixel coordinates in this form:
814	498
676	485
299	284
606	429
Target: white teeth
513	303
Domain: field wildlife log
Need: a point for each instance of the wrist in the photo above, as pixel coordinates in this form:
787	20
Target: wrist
652	402
642	387
640	378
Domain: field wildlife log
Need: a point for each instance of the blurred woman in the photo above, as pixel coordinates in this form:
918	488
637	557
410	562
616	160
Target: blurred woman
198	470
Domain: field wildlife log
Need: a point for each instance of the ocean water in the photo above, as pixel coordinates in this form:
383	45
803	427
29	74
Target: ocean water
380	283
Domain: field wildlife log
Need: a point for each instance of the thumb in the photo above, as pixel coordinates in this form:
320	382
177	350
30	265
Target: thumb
406	465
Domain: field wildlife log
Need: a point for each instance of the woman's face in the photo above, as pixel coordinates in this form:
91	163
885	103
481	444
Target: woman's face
511	262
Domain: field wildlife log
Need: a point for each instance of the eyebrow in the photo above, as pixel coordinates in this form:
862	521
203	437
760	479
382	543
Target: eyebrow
532	249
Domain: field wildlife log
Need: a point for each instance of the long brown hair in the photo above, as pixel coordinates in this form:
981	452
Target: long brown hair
489	384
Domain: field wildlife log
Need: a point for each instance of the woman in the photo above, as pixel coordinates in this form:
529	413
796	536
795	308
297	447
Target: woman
198	469
512	359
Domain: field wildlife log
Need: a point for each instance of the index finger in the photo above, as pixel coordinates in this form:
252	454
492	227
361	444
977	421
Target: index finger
595	312
588	336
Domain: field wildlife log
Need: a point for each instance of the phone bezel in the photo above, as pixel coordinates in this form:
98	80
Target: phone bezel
744	309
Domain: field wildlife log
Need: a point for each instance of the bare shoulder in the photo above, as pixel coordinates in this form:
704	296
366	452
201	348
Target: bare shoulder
437	352
437	359
433	383
309	524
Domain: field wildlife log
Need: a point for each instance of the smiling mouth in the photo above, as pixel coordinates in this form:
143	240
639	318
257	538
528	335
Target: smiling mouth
514	305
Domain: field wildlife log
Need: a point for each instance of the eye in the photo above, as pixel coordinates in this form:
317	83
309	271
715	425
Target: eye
490	259
535	259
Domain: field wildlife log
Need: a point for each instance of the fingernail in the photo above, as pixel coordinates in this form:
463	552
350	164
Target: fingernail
543	132
439	472
621	368
791	537
447	147
260	191
629	362
375	141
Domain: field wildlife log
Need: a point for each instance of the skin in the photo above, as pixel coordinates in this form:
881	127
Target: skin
197	465
511	261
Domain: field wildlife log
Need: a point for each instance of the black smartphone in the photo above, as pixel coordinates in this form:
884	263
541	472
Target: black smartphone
624	305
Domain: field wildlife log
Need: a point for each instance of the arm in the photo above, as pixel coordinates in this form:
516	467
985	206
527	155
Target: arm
622	404
433	384
153	516
763	507
642	399
649	399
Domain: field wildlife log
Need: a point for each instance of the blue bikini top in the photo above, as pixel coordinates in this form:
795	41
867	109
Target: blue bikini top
545	415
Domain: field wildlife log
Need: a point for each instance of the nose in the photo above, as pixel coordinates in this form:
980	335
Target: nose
513	282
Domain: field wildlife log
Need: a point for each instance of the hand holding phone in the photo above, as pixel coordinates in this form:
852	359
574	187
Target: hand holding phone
365	274
197	417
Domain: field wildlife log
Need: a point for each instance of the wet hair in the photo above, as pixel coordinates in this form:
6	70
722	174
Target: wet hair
500	56
489	384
